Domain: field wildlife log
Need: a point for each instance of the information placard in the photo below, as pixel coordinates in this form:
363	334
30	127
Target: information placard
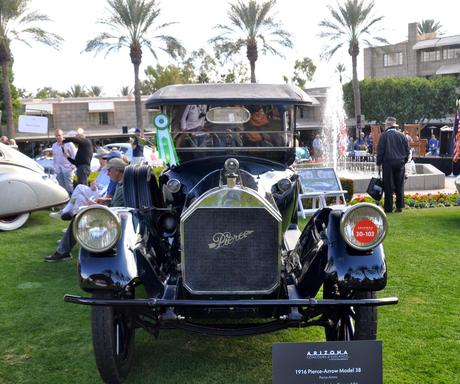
33	124
318	179
331	362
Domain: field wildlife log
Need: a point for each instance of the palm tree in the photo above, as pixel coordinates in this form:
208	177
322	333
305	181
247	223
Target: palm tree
340	69
129	23
95	91
351	24
77	90
429	26
20	24
126	90
250	24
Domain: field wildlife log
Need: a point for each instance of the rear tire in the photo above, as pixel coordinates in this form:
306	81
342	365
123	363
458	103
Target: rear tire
113	342
350	323
11	223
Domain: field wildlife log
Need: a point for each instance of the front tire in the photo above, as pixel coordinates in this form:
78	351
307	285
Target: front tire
113	342
11	223
350	323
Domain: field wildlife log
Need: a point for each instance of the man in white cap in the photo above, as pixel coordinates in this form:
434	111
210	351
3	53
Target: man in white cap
115	168
392	154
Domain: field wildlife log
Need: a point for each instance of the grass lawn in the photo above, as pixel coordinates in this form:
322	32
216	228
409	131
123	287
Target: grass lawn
44	340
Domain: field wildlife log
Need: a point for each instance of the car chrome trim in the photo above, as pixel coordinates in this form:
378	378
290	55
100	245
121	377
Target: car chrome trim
214	198
352	208
78	218
162	303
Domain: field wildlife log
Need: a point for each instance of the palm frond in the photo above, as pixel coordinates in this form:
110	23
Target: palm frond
38	34
249	22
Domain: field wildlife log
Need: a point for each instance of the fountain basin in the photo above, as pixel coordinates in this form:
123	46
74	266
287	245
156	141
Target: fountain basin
427	177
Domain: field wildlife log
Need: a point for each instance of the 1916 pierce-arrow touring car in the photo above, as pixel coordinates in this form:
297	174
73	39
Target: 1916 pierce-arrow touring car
215	243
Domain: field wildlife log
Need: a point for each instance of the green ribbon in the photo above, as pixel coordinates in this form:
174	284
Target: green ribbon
165	143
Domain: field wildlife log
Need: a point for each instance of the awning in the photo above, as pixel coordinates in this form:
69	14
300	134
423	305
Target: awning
439	42
450	40
448	69
423	44
100	106
39	109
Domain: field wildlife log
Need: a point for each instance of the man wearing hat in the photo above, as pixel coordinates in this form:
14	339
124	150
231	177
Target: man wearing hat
115	168
392	154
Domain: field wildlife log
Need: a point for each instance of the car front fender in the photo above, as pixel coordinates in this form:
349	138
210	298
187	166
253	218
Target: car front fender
352	269
115	269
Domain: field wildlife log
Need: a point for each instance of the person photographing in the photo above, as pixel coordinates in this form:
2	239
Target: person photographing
392	154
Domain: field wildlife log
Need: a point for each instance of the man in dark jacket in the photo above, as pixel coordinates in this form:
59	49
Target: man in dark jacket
83	157
392	154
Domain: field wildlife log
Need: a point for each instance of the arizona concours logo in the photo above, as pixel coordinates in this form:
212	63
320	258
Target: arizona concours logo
328	355
223	239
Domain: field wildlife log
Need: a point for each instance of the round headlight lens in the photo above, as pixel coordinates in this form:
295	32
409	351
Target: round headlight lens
173	185
97	229
284	185
363	226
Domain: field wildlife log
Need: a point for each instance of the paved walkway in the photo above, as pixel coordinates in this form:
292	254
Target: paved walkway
449	187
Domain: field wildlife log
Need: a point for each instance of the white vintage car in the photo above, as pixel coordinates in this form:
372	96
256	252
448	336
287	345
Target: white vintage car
25	187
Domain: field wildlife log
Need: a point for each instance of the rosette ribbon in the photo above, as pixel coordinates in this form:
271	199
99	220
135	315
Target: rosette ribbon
165	143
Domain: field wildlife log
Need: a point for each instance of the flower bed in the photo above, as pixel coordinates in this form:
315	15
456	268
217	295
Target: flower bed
417	200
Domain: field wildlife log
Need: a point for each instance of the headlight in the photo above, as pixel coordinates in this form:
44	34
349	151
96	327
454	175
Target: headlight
284	184
97	228
363	226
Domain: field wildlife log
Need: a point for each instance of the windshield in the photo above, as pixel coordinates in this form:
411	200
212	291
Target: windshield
232	126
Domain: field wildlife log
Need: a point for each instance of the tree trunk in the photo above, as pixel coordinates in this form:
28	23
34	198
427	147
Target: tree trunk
137	98
252	55
253	71
356	93
11	132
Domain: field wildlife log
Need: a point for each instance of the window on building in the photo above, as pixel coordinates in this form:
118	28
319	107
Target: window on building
391	59
103	118
451	53
431	55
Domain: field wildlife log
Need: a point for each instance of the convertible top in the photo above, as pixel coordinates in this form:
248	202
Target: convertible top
224	93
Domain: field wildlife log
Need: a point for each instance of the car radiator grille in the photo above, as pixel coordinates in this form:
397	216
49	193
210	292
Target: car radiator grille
230	250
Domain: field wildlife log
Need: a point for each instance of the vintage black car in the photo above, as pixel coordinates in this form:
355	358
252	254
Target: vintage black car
214	246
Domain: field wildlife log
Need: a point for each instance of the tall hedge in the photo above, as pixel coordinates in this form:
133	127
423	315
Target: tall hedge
14	96
408	99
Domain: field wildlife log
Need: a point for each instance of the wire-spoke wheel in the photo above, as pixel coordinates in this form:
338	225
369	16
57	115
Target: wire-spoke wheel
113	341
350	323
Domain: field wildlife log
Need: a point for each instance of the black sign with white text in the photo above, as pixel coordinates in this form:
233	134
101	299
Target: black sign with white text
331	362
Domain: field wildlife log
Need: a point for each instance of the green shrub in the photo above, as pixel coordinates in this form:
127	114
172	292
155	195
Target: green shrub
347	185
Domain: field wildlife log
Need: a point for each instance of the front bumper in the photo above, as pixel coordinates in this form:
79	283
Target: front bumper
168	303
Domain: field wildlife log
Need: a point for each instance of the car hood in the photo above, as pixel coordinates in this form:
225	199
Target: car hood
11	156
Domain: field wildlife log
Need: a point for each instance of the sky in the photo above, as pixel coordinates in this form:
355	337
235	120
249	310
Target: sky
39	66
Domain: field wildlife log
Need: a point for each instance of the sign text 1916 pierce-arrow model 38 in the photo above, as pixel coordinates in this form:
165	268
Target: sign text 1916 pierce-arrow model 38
215	243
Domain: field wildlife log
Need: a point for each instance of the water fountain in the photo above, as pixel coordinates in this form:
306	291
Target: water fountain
361	169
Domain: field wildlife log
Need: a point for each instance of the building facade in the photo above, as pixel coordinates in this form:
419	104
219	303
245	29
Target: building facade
98	116
423	55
